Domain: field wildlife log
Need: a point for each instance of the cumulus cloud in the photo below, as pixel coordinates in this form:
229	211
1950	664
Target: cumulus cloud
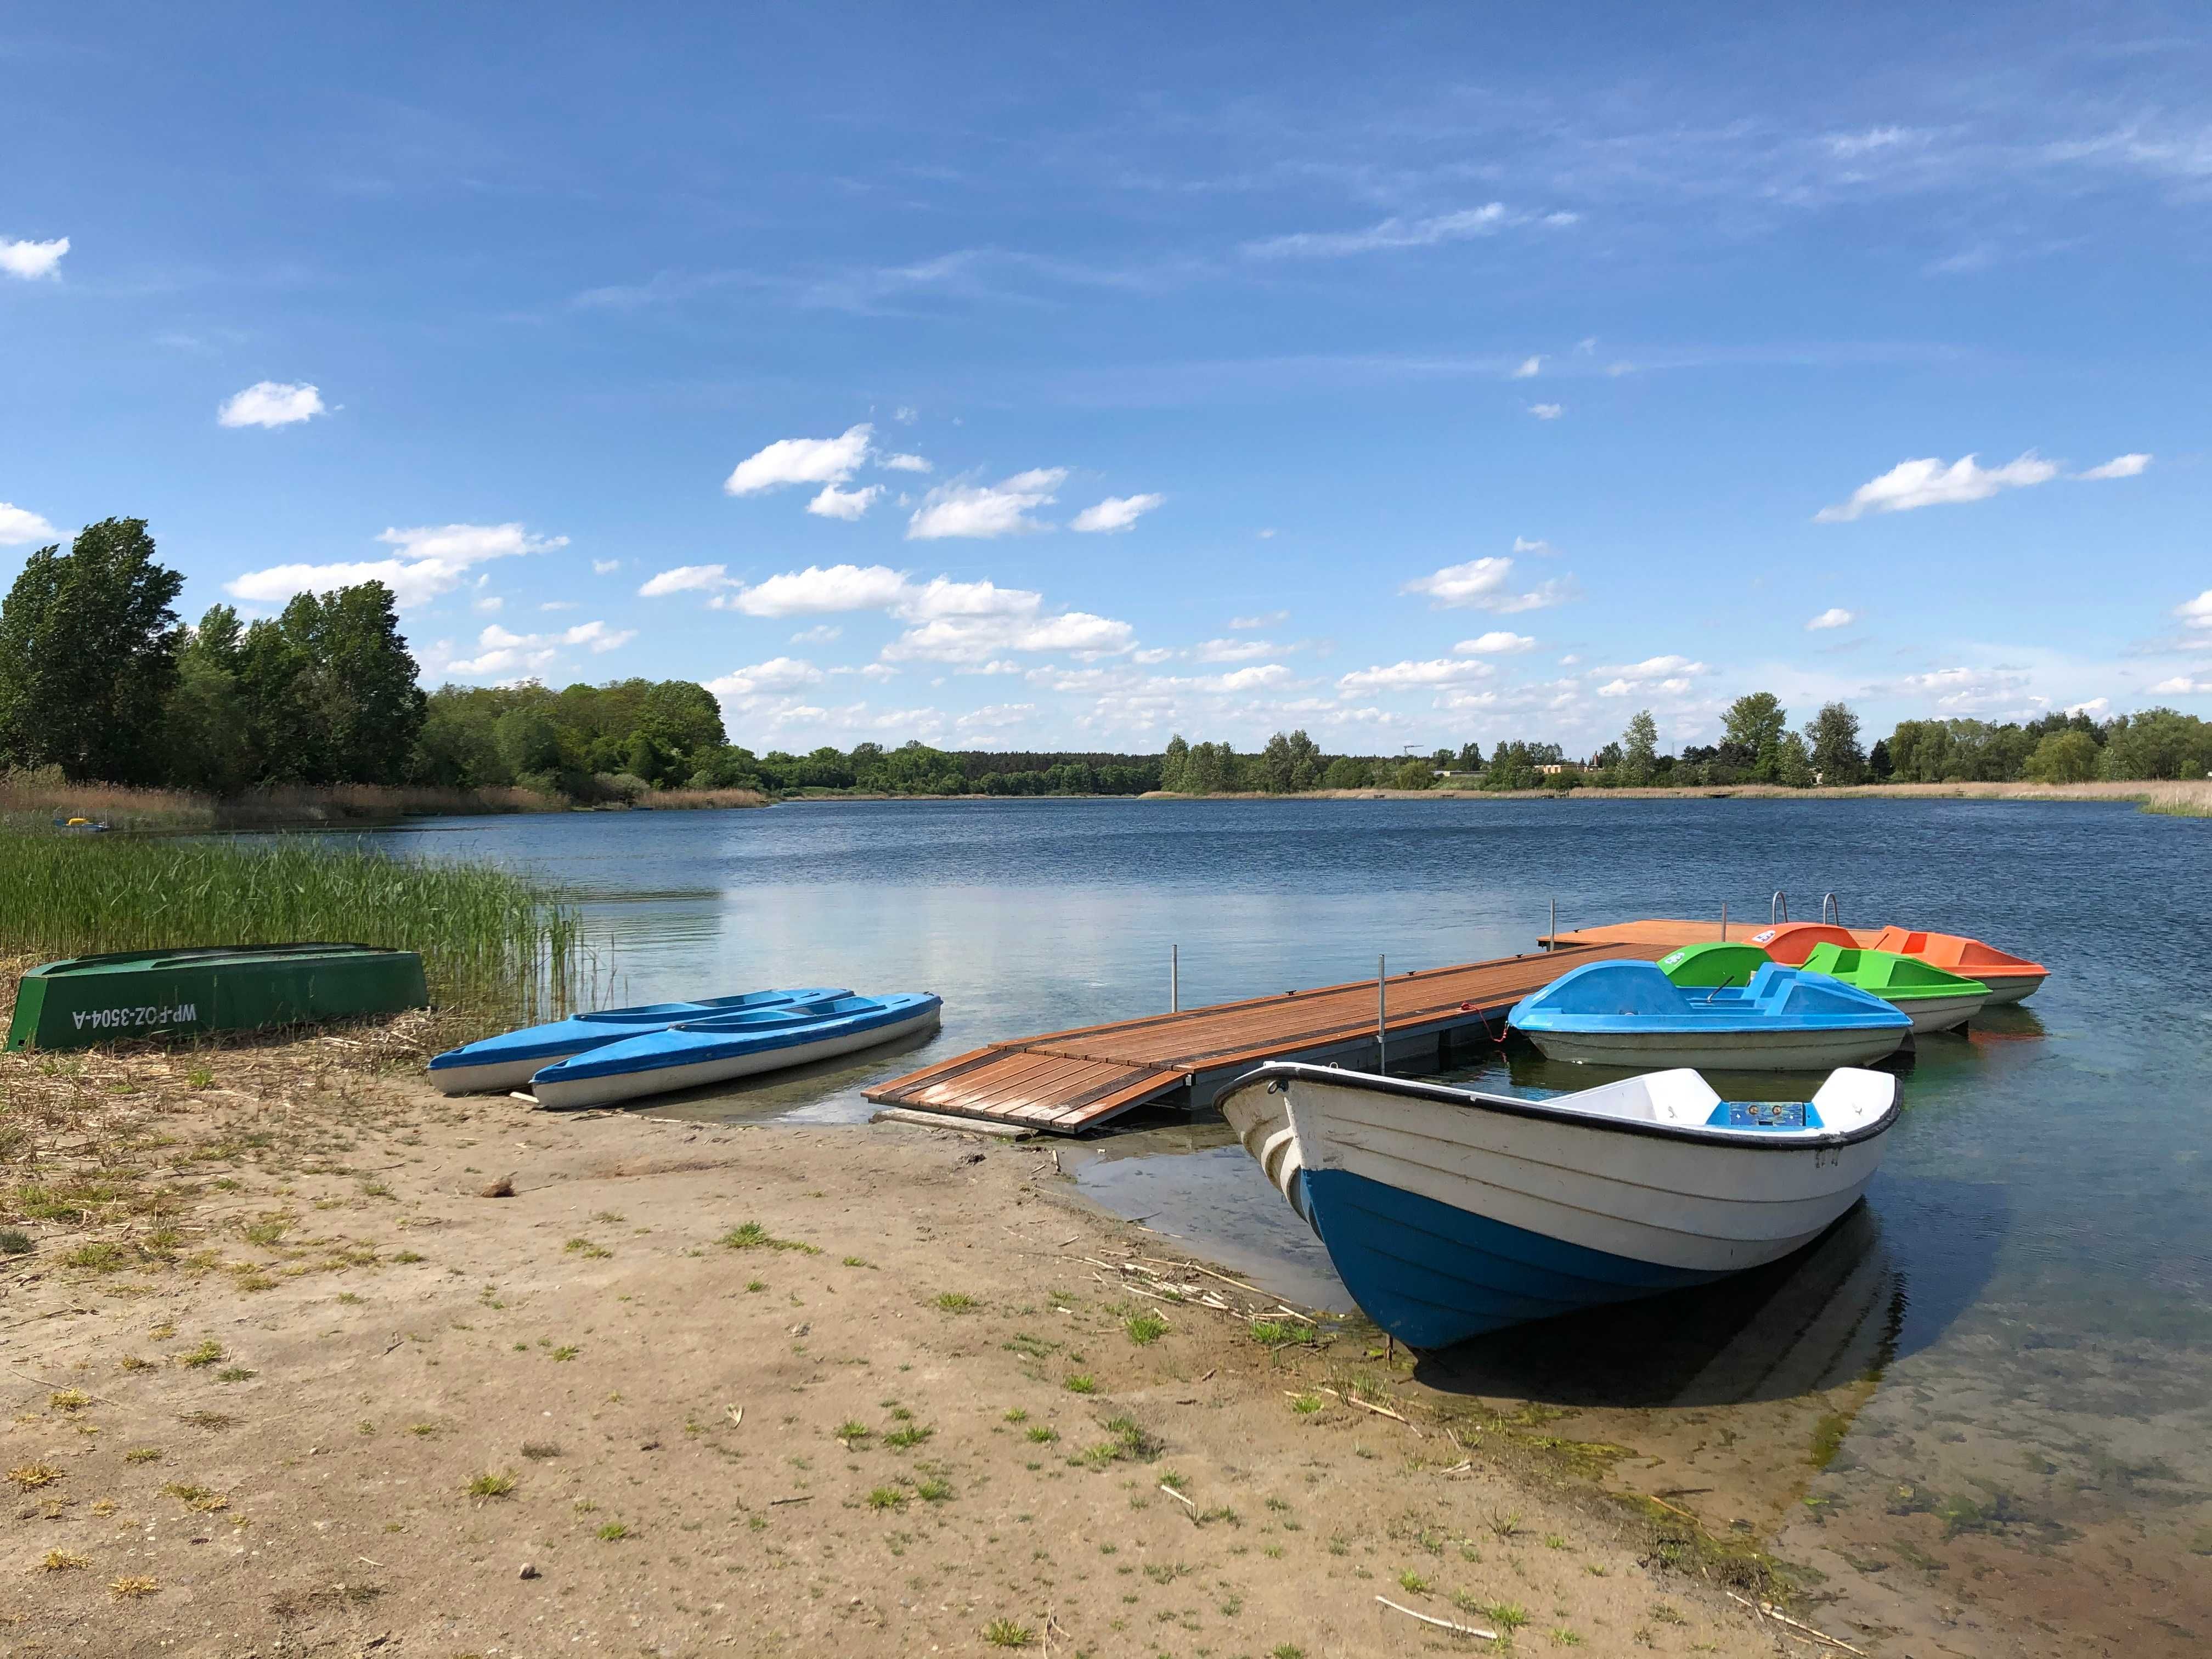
964	639
904	463
1115	513
32	260
1929	482
1233	650
777	674
2182	686
822	634
684	578
1412	676
801	460
984	511
502	653
821	590
1498	643
1262	619
431	560
2120	466
846	504
20	525
1530	369
270	404
1547	412
1482	584
1834	616
1671	675
1391	233
606	567
1973	690
996	717
2197	612
1523	544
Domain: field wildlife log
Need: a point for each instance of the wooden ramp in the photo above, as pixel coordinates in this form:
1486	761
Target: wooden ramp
1068	1081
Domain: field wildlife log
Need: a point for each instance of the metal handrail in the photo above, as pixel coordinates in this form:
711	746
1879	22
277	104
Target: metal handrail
1777	908
1830	902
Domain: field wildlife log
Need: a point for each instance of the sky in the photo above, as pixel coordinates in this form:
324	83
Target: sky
1051	377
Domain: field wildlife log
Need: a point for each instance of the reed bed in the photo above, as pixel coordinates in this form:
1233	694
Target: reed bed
496	945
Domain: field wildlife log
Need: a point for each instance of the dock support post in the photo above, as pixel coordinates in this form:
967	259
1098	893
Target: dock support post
1552	935
1382	1016
1723	921
1175	979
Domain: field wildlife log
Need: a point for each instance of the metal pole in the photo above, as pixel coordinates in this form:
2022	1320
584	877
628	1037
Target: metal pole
1175	979
1723	921
1382	1016
1552	938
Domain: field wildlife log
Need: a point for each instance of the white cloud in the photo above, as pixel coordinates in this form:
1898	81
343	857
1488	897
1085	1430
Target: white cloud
1500	642
19	526
1547	412
1849	145
1391	233
1233	650
1834	616
801	460
958	639
1263	619
846	504
996	717
1530	369
1523	544
1481	584
904	463
819	635
940	596
271	403
502	653
1408	676
2197	612
1669	674
32	260
816	591
684	578
905	416
489	603
606	567
1265	535
557	604
984	511
431	560
2182	686
2120	466
1115	513
777	674
1974	690
2095	708
1929	482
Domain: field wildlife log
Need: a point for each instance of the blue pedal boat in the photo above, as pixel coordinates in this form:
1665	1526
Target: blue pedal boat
1631	1014
1449	1213
509	1061
727	1045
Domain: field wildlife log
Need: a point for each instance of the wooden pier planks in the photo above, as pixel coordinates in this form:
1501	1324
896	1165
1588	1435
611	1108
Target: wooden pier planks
1066	1081
1672	933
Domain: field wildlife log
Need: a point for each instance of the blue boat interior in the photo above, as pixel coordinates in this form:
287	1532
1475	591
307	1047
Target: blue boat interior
607	1026
725	1035
1623	995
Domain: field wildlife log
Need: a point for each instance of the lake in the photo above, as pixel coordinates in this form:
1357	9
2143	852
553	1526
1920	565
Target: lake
1987	1389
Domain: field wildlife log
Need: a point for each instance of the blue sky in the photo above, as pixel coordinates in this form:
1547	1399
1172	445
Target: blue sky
1009	377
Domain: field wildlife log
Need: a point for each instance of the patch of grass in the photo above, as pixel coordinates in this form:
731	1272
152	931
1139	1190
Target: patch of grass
1008	1633
612	1532
492	1483
1277	1334
100	1258
1286	1651
408	1258
30	1477
1043	1435
129	1590
751	1236
566	1350
268	1232
1305	1405
933	1491
1507	1616
208	1352
1827	1439
585	1247
204	1420
858	1262
1080	1383
852	1432
1507	1526
1413	1584
14	1241
1017	1415
69	1400
886	1497
1144	1329
957	1302
201	1499
907	1434
235	1374
63	1561
142	1454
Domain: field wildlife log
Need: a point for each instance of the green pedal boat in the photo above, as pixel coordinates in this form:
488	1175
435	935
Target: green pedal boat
1933	1000
81	1000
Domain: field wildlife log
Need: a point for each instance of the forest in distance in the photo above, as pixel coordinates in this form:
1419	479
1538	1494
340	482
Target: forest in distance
101	682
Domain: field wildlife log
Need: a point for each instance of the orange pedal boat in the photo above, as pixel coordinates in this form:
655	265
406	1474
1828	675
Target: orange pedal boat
2010	978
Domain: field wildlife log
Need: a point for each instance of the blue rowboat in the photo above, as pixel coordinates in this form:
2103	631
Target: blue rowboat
728	1046
508	1061
1786	1019
1448	1213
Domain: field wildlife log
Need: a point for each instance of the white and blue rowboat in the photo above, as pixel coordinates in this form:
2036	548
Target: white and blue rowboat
1449	1214
1786	1019
508	1061
715	1050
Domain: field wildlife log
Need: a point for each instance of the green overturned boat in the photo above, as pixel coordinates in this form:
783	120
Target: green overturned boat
81	1000
1933	1000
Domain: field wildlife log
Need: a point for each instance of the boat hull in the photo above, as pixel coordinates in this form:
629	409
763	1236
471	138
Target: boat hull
2009	988
1941	1013
564	1094
1719	1051
1447	1219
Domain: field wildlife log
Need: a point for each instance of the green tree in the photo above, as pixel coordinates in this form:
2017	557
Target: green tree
2158	743
1346	773
206	730
1175	765
1640	749
1753	726
1793	761
1275	764
2062	758
1414	775
529	743
1833	738
87	656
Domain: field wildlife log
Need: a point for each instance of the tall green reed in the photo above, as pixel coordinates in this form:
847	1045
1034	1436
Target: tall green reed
495	943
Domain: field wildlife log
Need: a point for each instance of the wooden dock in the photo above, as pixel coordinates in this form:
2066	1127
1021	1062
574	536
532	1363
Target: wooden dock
1065	1082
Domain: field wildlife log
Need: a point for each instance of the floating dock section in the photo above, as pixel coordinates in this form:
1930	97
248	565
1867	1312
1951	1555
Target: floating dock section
1065	1082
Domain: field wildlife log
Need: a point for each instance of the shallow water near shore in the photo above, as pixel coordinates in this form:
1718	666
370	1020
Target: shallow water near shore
1992	1378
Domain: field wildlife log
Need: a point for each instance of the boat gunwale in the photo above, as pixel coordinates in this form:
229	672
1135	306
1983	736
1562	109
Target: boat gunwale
1545	1111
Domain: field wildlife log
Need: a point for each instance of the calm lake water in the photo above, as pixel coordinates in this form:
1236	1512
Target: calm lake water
2030	1279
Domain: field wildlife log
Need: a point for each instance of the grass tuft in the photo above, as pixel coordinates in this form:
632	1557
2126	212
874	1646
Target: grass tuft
492	1483
1144	1329
751	1236
1008	1633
